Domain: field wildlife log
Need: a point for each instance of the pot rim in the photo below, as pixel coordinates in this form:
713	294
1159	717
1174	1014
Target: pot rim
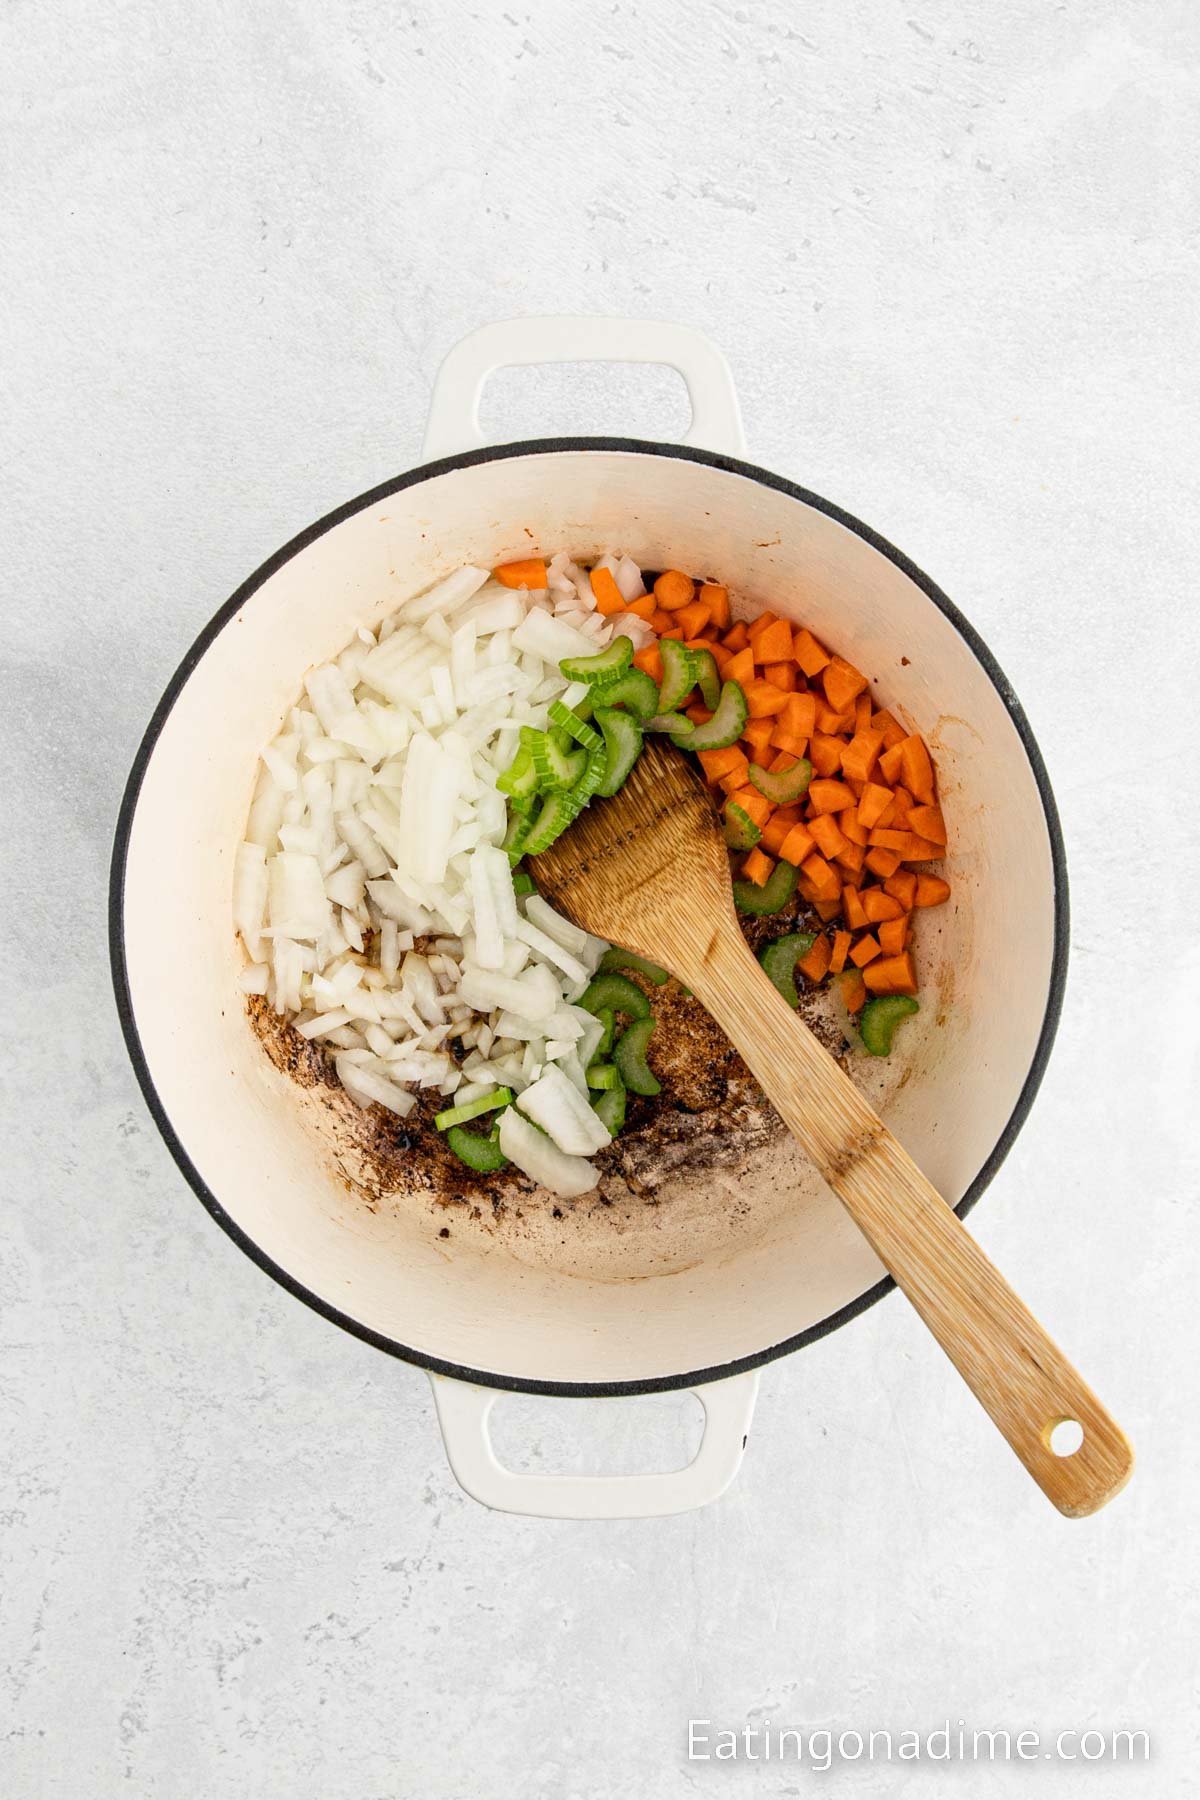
413	478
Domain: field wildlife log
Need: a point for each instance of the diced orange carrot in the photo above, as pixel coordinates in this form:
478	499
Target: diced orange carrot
902	802
649	661
882	863
757	868
873	803
698	713
826	796
780	760
737	637
851	826
919	849
903	887
674	589
918	769
827	909
928	822
879	906
856	918
761	623
811	656
662	622
643	608
865	951
693	618
783	740
775	833
853	856
883	839
716	598
842	683
862	713
763	699
893	975
890	762
774	645
759	733
781	675
800	715
797	845
609	598
823	878
931	891
752	802
815	964
860	754
854	990
893	935
825	753
741	667
832	722
826	835
841	950
674	632
716	763
531	573
731	783
762	758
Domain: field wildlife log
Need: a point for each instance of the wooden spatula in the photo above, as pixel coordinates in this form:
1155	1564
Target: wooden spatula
649	871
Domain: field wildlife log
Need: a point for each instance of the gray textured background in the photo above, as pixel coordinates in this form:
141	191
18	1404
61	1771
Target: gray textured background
952	252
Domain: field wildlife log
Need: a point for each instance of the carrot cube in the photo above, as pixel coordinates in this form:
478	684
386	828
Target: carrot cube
752	802
774	644
608	596
882	863
799	716
826	835
851	827
716	763
842	683
873	803
759	733
903	887
893	935
797	845
852	857
674	589
741	667
737	637
783	740
815	964
781	675
841	950
811	656
931	891
928	821
825	753
861	753
856	918
854	990
757	868
757	626
716	598
693	618
763	699
893	975
649	661
865	951
822	877
890	763
529	574
826	796
918	769
879	906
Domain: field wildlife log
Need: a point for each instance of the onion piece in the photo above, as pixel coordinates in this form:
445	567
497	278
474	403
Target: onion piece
534	1153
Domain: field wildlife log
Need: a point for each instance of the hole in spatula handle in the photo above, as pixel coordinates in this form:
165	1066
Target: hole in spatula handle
1065	1437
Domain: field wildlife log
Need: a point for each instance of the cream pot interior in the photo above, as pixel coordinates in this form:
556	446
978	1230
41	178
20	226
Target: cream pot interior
730	1275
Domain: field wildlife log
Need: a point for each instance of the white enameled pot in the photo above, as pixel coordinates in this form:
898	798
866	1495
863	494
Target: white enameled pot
763	1260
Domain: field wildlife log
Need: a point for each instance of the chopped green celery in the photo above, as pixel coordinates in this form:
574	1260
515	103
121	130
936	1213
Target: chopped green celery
608	1019
782	786
741	833
520	779
603	1075
628	959
780	958
727	723
678	725
523	883
708	678
558	767
630	1057
458	1115
593	775
679	674
483	1154
615	993
573	725
879	1018
520	828
610	1108
602	670
771	898
623	743
636	690
556	813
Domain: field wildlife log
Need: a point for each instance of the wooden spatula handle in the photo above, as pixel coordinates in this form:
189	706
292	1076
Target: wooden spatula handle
1014	1369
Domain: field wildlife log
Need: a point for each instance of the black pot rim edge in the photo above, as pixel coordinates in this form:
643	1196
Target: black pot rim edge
412	478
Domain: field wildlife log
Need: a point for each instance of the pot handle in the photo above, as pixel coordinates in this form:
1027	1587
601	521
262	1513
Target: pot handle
463	1411
453	423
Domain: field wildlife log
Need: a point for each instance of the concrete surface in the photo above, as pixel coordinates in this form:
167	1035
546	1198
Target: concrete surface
952	252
